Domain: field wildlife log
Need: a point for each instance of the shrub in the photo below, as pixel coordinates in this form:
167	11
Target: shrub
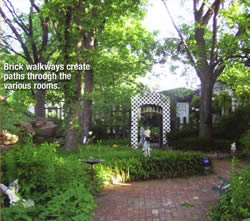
59	185
203	144
234	205
131	165
245	141
233	125
175	135
119	141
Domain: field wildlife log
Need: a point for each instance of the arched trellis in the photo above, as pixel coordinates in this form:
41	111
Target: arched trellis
149	99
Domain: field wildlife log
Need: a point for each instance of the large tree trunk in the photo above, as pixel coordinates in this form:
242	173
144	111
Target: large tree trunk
87	109
40	103
71	135
71	99
206	108
88	88
73	115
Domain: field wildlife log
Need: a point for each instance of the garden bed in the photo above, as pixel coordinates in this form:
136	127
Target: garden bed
61	184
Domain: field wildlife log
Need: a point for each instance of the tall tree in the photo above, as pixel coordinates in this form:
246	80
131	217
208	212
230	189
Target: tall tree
81	27
25	30
207	45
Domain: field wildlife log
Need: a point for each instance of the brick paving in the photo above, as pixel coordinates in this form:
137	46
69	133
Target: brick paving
178	199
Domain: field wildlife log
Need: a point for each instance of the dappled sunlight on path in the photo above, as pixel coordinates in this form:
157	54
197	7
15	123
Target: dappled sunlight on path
175	199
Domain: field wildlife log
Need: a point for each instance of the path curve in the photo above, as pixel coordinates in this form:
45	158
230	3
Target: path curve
178	199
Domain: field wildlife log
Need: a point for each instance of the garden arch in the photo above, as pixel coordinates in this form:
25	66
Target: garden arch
148	98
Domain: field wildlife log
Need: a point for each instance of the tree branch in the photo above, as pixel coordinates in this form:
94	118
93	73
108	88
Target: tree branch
190	57
210	12
18	36
32	2
9	36
15	16
45	28
214	52
31	35
9	48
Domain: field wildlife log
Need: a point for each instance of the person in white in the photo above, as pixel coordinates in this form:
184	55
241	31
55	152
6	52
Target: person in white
145	141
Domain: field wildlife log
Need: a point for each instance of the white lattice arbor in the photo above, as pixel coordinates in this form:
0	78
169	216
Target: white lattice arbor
149	99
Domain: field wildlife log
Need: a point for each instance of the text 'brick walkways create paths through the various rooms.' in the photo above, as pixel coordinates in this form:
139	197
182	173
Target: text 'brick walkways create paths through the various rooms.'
177	199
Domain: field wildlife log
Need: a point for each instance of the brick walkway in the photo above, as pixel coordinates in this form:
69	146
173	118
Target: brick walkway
178	199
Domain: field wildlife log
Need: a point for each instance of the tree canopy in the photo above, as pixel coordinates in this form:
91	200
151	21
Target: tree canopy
216	38
107	35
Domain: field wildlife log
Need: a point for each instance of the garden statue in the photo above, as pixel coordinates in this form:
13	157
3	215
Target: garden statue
145	141
86	140
12	191
233	147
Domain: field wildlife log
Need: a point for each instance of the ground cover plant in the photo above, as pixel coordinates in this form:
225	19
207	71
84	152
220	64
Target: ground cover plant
234	205
61	185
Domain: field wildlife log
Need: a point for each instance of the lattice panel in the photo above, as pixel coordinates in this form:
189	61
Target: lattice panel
153	99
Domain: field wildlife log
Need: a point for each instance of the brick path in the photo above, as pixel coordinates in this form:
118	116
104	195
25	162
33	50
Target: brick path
178	199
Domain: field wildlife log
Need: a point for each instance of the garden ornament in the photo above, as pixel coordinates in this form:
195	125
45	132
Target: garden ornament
207	166
11	191
145	138
222	188
233	147
86	139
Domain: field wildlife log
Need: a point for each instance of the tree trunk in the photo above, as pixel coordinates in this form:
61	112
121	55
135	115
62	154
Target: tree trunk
40	103
206	108
73	118
88	88
71	136
87	109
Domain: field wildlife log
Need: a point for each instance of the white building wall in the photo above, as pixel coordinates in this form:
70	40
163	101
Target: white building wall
183	111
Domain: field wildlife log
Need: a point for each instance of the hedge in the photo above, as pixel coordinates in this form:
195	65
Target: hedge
203	144
132	165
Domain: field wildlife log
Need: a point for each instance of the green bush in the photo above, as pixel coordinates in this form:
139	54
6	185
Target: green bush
52	180
234	205
175	135
203	144
245	141
124	164
120	141
233	125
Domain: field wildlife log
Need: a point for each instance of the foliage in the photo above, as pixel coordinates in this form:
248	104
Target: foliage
13	115
234	205
245	141
203	144
223	102
195	102
110	142
177	134
227	129
232	126
58	184
236	76
16	103
123	164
